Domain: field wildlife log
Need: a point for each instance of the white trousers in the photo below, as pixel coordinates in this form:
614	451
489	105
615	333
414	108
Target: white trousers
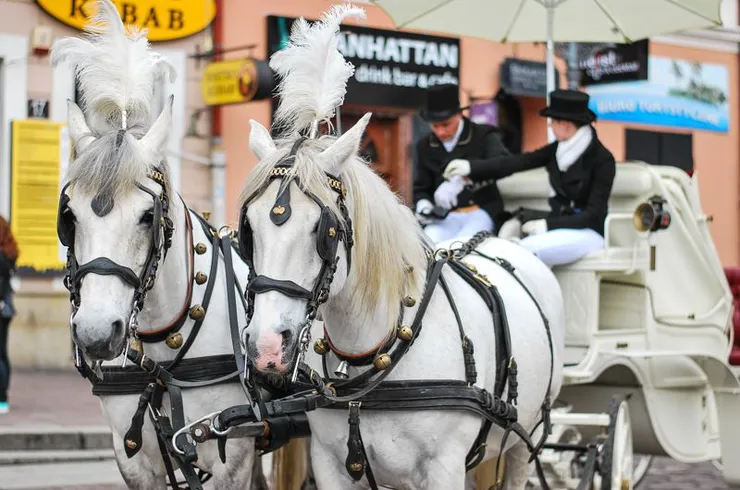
459	224
563	245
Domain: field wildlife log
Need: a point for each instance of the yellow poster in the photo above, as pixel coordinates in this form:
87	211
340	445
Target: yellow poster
36	160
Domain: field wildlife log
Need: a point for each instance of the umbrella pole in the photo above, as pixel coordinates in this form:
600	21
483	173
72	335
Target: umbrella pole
550	61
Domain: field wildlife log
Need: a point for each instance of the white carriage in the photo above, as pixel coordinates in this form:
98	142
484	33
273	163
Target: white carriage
649	318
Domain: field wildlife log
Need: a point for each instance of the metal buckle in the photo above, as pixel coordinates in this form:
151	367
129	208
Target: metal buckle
304	339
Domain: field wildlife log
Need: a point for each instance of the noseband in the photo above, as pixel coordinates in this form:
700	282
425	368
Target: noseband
329	231
162	229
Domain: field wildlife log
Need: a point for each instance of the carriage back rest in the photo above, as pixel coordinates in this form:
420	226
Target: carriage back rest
685	252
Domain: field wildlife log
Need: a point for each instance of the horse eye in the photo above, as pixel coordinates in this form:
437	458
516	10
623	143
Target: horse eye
147	218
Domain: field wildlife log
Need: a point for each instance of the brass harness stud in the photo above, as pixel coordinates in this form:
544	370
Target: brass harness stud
197	312
382	361
174	340
200	278
321	347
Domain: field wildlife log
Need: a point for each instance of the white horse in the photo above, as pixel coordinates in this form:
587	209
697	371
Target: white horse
369	293
115	217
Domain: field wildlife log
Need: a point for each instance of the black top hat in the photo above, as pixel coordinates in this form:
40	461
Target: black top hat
442	101
569	105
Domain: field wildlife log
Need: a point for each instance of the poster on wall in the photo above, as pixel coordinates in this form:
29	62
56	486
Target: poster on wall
484	113
392	68
36	161
678	93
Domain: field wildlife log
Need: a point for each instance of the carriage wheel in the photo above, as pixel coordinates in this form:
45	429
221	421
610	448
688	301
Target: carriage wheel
616	465
640	466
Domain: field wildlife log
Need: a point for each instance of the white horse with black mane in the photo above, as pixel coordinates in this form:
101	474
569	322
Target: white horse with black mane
151	283
325	236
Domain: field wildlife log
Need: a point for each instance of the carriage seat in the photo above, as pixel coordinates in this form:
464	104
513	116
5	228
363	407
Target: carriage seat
733	277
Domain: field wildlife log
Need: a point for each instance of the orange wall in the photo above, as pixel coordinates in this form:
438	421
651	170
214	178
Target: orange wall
716	155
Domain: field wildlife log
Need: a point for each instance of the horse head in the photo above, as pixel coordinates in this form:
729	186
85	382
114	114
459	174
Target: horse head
114	210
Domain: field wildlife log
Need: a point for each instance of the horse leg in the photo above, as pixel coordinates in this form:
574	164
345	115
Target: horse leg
329	473
139	473
234	473
516	472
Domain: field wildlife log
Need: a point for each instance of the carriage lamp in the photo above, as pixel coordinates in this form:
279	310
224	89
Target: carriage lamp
650	215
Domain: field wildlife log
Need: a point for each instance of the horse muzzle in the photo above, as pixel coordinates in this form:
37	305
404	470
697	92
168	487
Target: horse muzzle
99	341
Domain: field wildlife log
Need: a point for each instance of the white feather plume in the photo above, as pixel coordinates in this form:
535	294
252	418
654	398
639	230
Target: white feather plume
116	70
313	73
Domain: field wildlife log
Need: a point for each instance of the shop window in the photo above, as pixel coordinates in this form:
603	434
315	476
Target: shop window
660	148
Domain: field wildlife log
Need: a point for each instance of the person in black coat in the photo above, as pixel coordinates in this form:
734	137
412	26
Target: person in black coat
472	204
8	257
581	174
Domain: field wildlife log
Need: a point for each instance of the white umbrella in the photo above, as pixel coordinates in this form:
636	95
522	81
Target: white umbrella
517	21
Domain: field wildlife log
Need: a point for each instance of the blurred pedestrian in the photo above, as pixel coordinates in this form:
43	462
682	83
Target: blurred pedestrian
8	257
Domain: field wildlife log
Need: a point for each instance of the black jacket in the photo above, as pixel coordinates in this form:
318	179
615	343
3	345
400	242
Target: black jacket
477	141
581	193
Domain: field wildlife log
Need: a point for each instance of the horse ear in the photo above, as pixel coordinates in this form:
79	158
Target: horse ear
260	141
345	147
79	132
157	134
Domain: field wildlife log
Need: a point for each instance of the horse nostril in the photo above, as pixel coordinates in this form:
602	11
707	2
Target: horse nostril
118	328
286	333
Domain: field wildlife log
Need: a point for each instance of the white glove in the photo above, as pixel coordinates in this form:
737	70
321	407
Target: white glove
446	194
457	168
535	227
424	206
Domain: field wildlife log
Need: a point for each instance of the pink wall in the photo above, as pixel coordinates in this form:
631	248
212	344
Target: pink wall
716	155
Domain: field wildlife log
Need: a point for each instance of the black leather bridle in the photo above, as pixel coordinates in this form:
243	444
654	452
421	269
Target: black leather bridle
162	230
329	231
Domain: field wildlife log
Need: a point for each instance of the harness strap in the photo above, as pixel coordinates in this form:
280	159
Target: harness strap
471	373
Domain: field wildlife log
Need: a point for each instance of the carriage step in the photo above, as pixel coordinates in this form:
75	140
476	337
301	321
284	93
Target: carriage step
21	439
53	456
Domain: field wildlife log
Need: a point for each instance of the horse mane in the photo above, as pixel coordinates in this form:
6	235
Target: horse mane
116	71
387	237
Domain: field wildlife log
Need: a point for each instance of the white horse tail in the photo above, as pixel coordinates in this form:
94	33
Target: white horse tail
116	70
318	71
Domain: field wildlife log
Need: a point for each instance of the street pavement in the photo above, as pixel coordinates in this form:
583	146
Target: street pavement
56	400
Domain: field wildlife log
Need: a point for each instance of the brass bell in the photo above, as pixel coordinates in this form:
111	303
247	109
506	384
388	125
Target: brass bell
200	248
321	347
332	232
409	301
342	371
200	278
197	312
174	340
382	361
131	444
404	333
207	215
135	344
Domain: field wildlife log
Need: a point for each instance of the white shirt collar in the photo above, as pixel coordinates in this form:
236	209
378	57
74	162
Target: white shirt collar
449	145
